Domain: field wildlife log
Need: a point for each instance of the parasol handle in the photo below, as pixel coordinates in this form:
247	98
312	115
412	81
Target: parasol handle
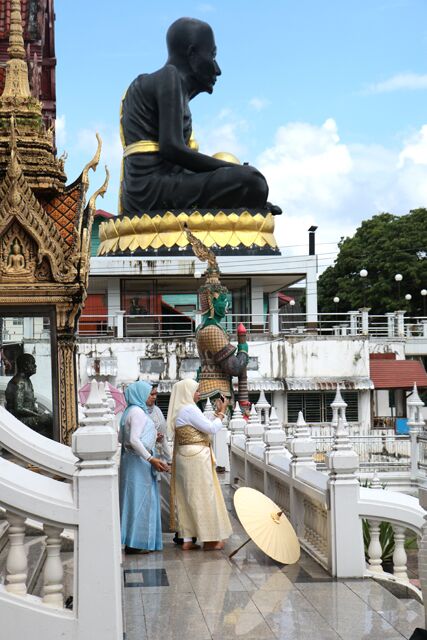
275	516
233	553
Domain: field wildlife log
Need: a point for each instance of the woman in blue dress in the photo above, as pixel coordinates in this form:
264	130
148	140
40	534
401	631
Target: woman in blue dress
141	528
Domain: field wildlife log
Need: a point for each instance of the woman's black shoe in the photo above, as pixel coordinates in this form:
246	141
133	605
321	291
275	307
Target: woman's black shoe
179	540
131	550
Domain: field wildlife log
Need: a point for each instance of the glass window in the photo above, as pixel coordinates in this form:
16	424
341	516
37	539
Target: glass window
26	360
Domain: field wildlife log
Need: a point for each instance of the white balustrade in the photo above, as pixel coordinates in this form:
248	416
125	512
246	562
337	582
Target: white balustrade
254	432
399	555
274	438
374	549
53	575
237	422
16	564
302	446
262	408
88	508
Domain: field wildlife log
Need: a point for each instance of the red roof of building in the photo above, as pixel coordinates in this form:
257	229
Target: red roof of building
397	374
100	213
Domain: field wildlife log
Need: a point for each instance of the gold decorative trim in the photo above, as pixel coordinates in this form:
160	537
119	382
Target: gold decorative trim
93	163
142	146
168	230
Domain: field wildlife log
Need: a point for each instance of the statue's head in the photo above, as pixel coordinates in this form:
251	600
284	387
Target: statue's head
192	42
26	364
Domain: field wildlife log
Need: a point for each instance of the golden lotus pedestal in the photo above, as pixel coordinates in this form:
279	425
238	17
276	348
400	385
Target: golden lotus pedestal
245	231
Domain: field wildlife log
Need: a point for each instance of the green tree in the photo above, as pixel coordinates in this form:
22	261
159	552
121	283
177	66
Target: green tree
384	245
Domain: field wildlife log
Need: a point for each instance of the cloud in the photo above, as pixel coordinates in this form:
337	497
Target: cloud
416	148
400	82
60	130
258	103
318	179
224	133
205	7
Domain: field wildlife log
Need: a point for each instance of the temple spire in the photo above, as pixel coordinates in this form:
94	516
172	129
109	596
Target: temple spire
16	81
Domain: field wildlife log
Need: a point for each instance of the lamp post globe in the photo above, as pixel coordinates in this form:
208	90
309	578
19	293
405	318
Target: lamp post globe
398	277
363	273
408	297
336	299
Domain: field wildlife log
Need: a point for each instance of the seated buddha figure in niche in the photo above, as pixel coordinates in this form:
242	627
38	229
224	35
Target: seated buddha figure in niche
16	261
161	168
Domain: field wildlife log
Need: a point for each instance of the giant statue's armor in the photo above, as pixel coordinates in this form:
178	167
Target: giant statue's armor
218	358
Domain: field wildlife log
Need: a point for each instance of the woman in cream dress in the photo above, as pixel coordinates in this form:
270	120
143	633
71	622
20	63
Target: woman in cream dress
195	490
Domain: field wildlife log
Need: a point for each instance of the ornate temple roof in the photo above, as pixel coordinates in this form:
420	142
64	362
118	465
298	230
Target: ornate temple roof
35	144
42	221
38	32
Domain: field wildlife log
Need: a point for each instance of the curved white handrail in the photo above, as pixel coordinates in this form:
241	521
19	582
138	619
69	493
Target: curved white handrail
20	615
390	506
36	496
30	446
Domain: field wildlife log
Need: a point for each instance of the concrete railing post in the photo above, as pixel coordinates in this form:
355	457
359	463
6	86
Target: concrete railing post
98	549
274	437
400	321
416	426
353	316
345	526
391	326
120	323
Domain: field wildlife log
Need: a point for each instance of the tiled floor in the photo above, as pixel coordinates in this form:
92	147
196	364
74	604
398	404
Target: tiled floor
203	595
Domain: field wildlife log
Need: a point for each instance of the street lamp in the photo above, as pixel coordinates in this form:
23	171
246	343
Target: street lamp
398	277
424	294
336	301
364	274
408	297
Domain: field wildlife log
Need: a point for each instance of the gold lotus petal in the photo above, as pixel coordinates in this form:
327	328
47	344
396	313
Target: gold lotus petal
270	239
233	220
247	222
182	240
269	223
143	224
182	217
156	242
221	230
169	222
109	228
135	244
124	242
198	222
125	227
157	223
219	222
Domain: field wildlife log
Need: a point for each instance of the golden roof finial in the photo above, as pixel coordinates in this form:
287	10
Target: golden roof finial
16	36
16	81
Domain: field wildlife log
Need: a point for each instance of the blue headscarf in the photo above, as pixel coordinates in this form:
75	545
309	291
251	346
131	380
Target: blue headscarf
136	395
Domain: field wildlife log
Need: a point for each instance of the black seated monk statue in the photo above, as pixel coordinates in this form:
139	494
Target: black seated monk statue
160	169
20	398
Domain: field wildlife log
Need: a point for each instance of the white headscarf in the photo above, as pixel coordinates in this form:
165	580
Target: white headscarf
182	394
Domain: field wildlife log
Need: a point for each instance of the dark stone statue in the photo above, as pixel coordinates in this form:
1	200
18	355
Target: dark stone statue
20	398
160	169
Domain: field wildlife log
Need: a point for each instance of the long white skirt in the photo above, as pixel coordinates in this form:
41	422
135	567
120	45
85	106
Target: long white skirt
200	504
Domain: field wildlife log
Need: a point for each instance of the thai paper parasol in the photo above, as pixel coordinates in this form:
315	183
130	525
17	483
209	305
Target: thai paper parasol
116	394
267	526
